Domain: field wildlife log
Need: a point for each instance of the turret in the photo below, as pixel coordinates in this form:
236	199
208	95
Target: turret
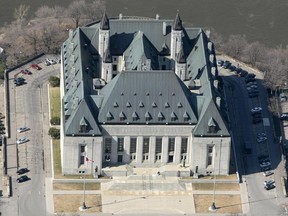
180	64
176	37
104	34
106	70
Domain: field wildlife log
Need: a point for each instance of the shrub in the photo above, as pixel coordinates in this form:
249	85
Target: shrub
55	120
54	81
54	133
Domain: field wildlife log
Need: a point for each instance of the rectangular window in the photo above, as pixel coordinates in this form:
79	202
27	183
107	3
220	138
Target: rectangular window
163	67
82	160
120	144
209	160
114	67
210	149
184	142
158	145
146	145
133	143
171	144
108	145
82	148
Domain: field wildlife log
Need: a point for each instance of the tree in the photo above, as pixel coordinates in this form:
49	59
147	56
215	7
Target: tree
75	11
94	9
54	133
54	81
235	46
21	13
254	52
55	120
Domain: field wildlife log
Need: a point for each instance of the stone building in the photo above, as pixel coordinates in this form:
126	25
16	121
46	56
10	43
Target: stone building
142	92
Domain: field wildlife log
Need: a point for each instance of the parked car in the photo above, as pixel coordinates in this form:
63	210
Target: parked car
265	164
226	64
253	94
19	81
256	110
238	70
284	116
22	140
250	75
49	61
261	139
243	73
232	68
22	171
267	173
269	187
22	179
36	66
220	62
269	182
22	129
27	72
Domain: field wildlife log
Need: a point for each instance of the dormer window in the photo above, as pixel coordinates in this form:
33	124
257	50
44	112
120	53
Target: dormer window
154	105
167	105
186	116
141	104
83	126
109	116
121	116
179	104
134	116
115	104
147	116
173	116
160	116
128	104
212	126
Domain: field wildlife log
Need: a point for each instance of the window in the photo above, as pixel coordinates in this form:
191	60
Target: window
211	129
82	128
82	160
210	149
108	144
114	67
163	67
146	145
171	144
209	160
184	142
120	144
133	143
158	145
82	148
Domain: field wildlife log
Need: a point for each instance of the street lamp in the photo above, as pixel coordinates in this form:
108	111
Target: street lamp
83	207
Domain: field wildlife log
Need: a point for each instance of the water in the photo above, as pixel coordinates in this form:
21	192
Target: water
260	20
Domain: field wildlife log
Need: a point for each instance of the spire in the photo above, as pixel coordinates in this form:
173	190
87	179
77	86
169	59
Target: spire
104	25
107	56
177	23
181	58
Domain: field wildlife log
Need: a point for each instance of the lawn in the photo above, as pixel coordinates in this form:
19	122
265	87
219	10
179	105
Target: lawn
224	203
218	186
71	203
76	186
55	104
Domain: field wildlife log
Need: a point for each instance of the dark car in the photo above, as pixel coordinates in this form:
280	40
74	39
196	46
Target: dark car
257	119
243	73
26	72
269	186
22	171
238	70
226	64
250	75
232	68
22	179
220	62
284	117
19	81
253	94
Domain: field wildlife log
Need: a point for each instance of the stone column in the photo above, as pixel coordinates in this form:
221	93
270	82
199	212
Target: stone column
164	156
126	153
114	149
139	150
152	149
177	151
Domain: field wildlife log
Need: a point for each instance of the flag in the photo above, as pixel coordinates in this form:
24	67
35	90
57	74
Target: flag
89	160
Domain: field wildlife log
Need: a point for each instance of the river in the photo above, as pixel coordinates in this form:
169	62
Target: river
260	20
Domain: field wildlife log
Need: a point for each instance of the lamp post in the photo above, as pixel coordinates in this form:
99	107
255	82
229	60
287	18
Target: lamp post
83	207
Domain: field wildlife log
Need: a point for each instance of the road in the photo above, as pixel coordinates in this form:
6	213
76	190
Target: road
261	202
29	107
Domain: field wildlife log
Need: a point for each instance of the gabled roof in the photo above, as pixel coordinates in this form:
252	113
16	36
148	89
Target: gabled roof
147	92
210	116
82	116
139	52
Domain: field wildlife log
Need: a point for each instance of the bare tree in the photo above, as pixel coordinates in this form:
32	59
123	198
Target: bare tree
76	11
21	13
44	12
94	9
235	46
254	52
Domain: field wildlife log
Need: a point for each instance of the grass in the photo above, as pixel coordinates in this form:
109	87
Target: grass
71	203
76	186
231	176
224	203
55	105
218	186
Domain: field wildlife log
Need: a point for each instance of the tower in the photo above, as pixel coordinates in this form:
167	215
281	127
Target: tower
104	34
180	64
106	69
176	37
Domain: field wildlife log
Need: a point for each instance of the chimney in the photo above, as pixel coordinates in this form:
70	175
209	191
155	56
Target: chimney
164	28
120	16
70	34
157	17
218	102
